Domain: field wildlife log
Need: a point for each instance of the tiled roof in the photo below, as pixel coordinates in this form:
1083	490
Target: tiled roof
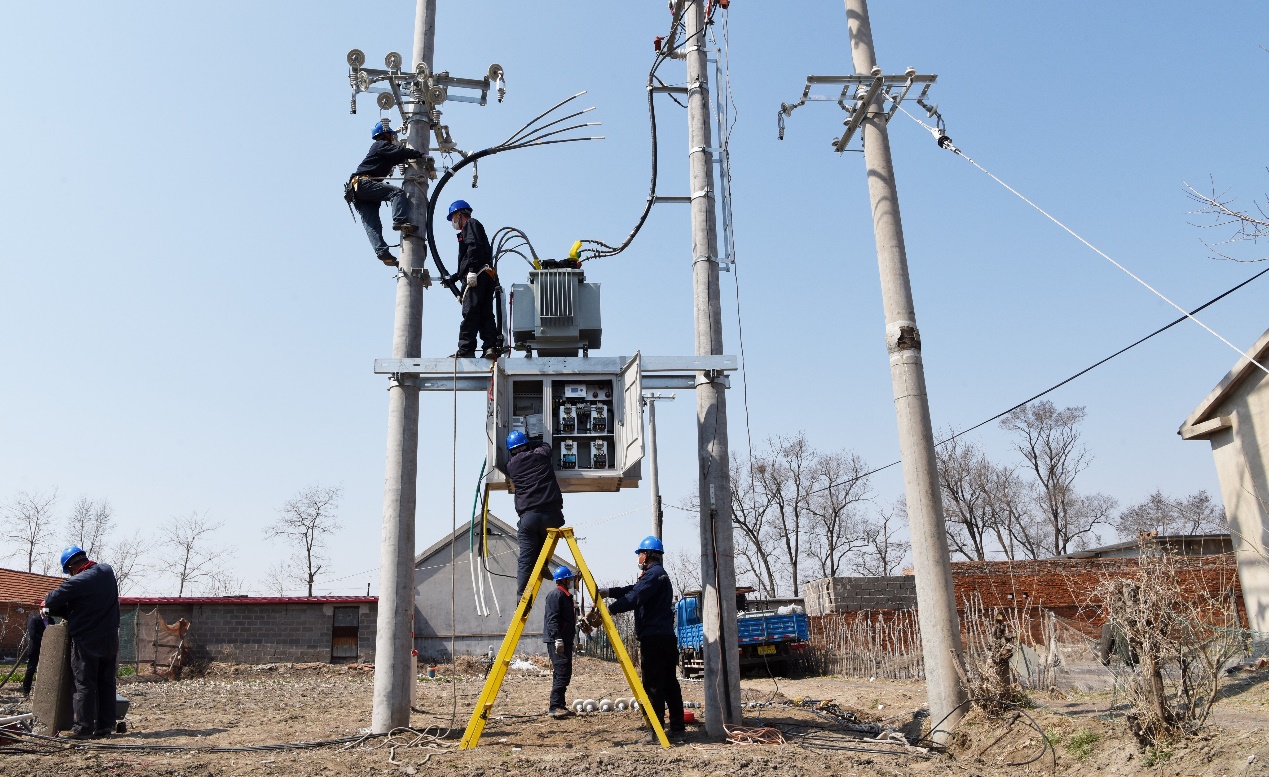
179	600
25	587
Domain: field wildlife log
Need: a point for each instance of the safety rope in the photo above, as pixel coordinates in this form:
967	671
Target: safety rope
945	142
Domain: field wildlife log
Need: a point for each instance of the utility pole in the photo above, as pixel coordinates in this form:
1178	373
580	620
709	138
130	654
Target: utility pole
718	572
936	603
658	514
394	639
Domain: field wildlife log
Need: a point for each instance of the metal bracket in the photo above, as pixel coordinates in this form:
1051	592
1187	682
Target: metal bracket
869	91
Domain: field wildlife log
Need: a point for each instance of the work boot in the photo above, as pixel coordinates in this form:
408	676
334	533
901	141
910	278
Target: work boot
76	733
405	228
561	713
387	258
490	353
102	733
463	355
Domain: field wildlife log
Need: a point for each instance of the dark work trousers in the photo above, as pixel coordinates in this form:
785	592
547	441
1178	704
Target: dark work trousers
478	316
94	699
658	666
32	663
531	532
563	674
370	195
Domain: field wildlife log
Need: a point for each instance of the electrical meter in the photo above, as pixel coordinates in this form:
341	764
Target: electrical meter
568	419
535	428
598	419
599	454
568	454
574	391
518	425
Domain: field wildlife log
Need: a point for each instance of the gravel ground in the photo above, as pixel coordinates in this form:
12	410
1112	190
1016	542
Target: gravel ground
244	706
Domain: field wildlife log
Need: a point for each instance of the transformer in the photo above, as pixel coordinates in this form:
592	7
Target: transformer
556	313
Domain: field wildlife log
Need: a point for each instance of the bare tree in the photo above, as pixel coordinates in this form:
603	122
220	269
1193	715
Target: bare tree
885	551
89	524
684	568
124	557
193	558
749	514
279	578
785	475
1193	514
1010	512
1242	226
307	520
1049	441
838	488
29	525
965	474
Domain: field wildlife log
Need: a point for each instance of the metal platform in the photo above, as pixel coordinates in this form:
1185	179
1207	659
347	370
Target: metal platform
659	372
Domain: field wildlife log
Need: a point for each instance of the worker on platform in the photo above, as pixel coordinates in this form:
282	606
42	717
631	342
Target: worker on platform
539	502
34	641
366	189
652	599
89	601
480	281
559	631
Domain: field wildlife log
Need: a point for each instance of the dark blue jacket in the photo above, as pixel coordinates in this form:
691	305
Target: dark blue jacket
559	619
533	478
473	249
652	599
35	633
383	156
90	603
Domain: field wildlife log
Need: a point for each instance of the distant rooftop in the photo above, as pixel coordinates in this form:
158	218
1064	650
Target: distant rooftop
26	587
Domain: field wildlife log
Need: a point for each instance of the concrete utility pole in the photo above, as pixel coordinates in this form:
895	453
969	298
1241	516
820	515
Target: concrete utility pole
654	482
718	572
394	642
940	628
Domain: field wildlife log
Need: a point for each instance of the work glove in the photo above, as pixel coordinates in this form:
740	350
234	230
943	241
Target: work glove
602	593
471	279
584	626
559	647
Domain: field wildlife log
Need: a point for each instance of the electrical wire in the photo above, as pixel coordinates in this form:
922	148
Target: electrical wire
1052	388
945	142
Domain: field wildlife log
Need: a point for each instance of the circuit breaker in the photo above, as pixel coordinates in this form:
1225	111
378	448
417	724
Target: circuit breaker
568	454
599	454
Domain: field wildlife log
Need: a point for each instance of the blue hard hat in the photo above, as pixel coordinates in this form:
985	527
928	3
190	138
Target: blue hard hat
562	573
382	126
70	553
516	439
456	206
650	543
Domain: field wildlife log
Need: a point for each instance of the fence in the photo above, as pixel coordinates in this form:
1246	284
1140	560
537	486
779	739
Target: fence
597	644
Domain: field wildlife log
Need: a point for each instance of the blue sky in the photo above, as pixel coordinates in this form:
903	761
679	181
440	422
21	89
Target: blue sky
190	316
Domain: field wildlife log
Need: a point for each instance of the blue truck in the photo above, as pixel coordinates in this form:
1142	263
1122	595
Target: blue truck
766	637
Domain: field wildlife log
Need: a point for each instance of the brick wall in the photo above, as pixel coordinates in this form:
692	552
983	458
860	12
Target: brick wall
852	594
254	633
1063	585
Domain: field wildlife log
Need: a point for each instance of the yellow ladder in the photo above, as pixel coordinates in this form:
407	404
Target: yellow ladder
493	683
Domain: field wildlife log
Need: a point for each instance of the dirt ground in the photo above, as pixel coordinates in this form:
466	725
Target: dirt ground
237	706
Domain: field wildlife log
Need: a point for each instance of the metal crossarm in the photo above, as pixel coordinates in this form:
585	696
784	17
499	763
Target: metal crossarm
493	683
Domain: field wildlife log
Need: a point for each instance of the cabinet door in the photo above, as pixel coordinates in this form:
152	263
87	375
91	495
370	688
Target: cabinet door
631	418
498	421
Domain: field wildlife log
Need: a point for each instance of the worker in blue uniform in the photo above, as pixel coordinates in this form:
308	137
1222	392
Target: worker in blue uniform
539	502
652	600
366	190
34	641
89	601
559	632
480	283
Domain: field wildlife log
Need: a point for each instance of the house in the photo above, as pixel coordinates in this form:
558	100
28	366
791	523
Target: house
1175	544
472	604
249	629
1234	418
20	595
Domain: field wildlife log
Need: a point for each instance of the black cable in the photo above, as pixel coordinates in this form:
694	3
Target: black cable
1056	386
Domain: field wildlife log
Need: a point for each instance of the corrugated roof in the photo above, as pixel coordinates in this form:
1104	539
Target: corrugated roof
25	587
178	600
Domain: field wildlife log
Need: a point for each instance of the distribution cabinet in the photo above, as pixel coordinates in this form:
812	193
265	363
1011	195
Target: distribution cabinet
592	420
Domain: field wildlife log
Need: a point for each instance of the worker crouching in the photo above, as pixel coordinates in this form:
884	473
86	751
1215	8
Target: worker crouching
89	601
559	632
652	600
